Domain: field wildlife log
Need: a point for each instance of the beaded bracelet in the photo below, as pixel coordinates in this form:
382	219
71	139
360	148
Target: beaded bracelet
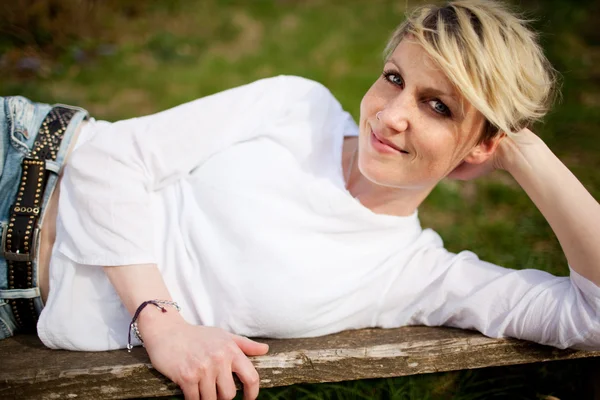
133	324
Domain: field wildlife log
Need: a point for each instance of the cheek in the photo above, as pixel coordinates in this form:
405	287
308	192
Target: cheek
365	106
442	157
435	147
370	103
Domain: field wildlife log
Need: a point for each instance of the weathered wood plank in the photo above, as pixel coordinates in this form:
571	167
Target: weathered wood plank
28	370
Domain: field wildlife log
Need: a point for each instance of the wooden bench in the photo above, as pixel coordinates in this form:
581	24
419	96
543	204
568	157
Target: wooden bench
28	370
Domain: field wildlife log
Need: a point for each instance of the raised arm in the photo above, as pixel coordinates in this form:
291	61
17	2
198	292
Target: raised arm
462	291
569	208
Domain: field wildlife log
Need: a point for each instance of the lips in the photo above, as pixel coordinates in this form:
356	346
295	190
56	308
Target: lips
384	141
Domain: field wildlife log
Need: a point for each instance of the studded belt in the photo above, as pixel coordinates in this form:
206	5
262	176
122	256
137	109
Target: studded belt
19	240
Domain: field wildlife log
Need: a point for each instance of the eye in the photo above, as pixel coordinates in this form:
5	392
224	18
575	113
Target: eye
440	107
393	78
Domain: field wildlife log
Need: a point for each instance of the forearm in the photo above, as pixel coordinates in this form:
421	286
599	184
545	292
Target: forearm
138	283
569	208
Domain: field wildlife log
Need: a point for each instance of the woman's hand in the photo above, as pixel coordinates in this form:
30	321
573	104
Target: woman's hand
200	359
508	148
466	171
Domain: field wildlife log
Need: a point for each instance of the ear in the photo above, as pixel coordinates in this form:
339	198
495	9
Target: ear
484	150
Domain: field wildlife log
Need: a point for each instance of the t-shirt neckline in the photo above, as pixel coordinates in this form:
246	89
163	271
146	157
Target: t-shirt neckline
350	201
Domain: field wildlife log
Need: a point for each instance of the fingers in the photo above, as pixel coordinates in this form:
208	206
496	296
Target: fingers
247	373
226	389
190	391
206	371
223	388
208	388
250	347
244	368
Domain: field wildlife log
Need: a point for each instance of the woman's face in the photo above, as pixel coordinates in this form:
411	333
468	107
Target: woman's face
414	130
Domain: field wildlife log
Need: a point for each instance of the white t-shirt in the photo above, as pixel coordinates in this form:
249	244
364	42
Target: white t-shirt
239	199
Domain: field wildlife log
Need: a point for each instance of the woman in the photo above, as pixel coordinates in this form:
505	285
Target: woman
265	211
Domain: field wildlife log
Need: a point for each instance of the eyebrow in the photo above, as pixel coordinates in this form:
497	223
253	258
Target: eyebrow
431	91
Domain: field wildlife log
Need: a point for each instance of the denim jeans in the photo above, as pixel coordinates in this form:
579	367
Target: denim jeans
20	121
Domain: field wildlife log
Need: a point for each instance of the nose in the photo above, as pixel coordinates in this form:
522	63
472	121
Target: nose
395	115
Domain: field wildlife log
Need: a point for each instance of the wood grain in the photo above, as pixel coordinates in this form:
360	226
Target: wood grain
28	370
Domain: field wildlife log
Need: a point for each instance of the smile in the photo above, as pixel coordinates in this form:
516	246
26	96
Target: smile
385	146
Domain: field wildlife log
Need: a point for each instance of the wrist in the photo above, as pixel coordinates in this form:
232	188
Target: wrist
152	320
516	153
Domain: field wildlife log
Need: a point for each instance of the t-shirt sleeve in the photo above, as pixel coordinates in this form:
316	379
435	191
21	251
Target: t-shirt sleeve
105	208
460	290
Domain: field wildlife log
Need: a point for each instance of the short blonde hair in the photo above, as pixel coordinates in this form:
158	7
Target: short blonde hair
490	55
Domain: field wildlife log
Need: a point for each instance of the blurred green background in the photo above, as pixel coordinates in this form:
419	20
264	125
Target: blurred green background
125	58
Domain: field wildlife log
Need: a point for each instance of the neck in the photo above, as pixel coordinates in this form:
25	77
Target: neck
385	200
377	198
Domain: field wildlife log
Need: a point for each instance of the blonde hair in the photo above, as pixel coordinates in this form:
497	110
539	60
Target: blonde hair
490	55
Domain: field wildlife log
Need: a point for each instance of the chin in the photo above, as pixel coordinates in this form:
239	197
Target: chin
391	177
381	175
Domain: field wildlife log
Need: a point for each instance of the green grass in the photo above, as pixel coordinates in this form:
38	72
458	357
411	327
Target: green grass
169	52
